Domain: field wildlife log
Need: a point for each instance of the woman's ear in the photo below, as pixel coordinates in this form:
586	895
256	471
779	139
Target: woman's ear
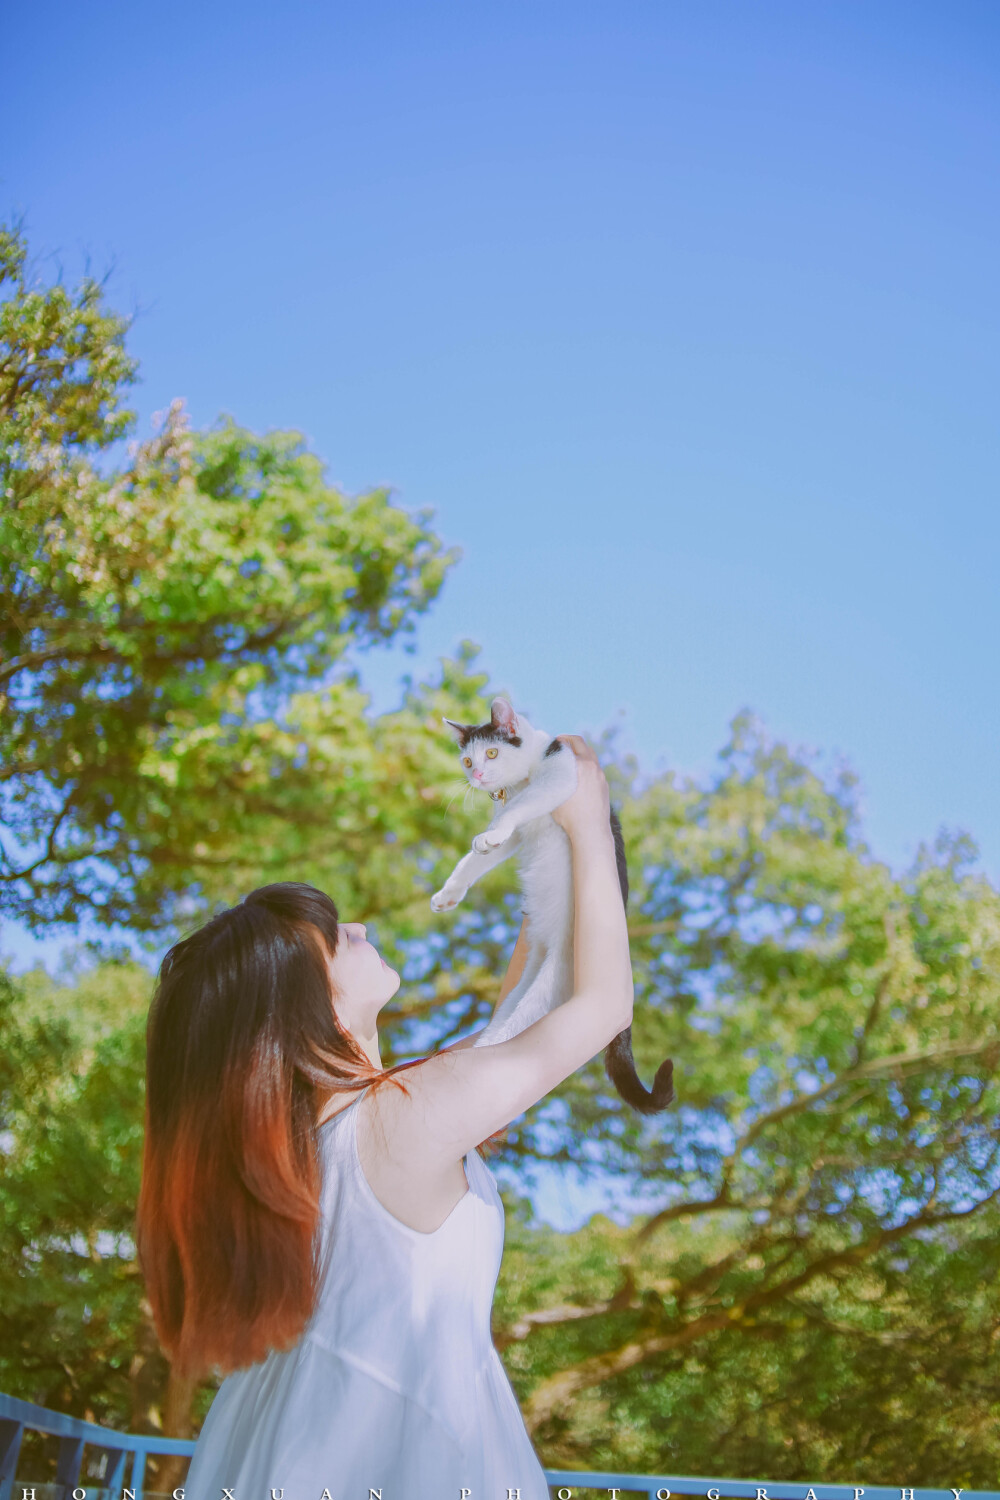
503	715
458	730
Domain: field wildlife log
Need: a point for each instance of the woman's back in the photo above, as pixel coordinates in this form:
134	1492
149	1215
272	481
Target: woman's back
395	1385
412	1306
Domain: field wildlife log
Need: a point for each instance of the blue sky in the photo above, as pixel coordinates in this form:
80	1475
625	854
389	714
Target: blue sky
682	317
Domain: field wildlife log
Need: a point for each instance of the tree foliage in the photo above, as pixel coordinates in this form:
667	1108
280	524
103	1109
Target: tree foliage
174	628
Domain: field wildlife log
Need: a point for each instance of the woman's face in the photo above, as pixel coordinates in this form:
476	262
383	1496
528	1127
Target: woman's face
362	980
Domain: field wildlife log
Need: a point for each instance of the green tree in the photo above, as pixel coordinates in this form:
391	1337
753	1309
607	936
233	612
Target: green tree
174	704
885	1372
71	1065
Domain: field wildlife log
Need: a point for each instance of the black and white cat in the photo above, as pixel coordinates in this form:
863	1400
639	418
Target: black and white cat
527	773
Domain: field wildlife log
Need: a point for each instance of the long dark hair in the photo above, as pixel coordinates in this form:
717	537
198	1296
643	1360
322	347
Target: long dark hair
242	1045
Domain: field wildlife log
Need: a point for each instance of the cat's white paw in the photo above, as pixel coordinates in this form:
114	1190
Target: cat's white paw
484	843
445	900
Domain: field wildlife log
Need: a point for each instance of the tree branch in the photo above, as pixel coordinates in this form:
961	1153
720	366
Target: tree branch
898	1060
553	1394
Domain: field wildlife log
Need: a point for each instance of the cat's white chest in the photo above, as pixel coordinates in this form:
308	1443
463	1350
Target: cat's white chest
542	838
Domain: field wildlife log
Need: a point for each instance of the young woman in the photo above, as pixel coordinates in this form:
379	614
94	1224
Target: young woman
321	1229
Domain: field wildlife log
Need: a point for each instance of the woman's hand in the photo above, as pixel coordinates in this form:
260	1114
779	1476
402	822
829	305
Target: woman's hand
588	810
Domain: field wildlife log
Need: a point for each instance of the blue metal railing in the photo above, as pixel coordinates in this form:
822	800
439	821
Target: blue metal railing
73	1434
17	1417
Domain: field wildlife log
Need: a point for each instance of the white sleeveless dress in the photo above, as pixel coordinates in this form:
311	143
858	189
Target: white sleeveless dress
395	1386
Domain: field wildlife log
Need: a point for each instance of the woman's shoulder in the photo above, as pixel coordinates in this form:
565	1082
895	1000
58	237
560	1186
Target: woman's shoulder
413	1185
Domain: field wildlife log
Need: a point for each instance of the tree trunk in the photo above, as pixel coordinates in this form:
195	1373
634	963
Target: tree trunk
177	1403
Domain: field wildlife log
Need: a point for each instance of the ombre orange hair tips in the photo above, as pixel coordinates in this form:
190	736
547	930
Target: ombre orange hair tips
242	1045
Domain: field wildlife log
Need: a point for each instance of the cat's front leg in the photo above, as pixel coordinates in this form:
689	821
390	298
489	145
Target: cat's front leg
495	836
468	870
503	823
450	894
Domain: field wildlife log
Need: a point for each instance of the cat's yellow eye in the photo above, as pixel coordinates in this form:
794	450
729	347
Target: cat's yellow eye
466	760
492	754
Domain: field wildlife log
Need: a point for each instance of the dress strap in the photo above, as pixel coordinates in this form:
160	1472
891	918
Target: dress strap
338	1113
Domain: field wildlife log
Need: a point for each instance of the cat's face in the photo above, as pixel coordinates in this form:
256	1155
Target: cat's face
495	754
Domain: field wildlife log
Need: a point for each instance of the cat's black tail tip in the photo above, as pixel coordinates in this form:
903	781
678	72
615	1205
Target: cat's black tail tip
620	1068
661	1095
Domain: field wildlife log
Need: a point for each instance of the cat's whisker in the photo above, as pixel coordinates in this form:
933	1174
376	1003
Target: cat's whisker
461	787
474	790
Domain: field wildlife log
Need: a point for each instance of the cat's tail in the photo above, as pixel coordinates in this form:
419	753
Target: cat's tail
619	1063
620	1068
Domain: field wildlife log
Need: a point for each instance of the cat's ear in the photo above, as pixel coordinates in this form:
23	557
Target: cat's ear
458	730
503	716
